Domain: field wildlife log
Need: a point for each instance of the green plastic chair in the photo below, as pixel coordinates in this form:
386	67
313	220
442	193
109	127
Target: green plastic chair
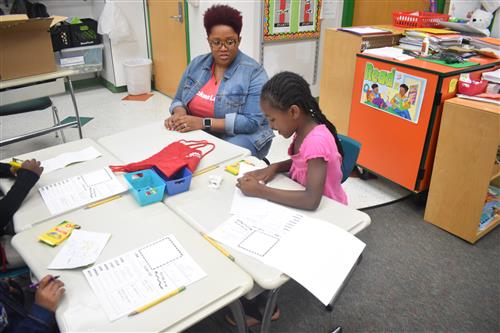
36	104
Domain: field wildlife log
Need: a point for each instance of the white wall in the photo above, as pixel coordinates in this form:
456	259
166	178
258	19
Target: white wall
250	32
297	56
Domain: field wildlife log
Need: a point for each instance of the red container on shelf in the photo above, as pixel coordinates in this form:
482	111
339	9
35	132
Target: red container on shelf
475	87
418	19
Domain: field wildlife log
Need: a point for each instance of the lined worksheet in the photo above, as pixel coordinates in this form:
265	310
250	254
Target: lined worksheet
138	277
257	235
80	190
315	253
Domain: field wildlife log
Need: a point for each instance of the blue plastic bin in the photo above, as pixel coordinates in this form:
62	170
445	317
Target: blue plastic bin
146	186
178	183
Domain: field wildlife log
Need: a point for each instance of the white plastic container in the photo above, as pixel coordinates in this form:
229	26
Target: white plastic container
78	57
138	76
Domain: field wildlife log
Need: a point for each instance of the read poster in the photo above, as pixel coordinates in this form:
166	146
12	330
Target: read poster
393	91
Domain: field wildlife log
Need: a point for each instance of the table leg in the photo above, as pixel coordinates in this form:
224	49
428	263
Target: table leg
77	115
239	316
268	312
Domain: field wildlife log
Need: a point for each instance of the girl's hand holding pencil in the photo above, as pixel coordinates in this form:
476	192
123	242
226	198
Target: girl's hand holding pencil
49	292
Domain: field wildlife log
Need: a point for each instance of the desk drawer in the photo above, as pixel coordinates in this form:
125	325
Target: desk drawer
15	95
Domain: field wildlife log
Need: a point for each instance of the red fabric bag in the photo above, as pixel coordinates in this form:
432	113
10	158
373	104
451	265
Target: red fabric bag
172	158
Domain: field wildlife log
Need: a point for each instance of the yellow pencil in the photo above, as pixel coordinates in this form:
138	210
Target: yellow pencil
204	170
217	246
159	300
97	203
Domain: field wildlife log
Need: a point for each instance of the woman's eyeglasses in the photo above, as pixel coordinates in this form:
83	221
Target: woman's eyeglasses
217	43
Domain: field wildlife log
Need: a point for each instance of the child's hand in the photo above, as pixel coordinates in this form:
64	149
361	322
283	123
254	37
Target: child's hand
33	165
250	186
49	293
264	175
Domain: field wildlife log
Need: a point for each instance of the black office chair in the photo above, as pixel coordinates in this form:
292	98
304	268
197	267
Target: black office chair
36	104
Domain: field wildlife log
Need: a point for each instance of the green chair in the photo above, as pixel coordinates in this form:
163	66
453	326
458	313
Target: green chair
37	104
351	149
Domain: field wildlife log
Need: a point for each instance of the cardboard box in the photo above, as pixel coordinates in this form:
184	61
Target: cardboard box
26	47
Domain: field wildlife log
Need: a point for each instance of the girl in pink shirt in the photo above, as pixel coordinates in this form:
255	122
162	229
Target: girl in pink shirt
315	153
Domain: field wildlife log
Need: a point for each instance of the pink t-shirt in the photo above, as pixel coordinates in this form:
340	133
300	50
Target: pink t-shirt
319	143
202	104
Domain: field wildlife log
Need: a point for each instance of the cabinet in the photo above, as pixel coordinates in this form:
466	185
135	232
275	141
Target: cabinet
465	164
398	133
337	75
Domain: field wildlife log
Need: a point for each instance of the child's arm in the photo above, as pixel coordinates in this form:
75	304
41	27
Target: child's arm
309	198
268	173
26	177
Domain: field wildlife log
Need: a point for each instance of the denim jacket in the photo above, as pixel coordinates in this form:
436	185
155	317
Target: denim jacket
238	97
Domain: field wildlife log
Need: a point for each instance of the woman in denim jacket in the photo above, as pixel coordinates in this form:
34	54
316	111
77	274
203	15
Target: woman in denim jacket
220	91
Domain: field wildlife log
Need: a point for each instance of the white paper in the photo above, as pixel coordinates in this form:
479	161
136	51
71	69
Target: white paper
256	236
244	205
82	248
66	159
140	276
328	9
364	30
318	255
389	52
81	190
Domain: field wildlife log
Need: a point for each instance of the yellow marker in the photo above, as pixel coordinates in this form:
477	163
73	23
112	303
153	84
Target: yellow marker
16	165
204	170
218	247
97	203
159	300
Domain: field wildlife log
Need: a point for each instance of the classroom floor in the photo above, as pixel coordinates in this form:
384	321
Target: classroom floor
414	277
110	115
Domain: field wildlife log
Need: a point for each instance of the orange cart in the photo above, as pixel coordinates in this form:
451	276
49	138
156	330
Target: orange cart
396	111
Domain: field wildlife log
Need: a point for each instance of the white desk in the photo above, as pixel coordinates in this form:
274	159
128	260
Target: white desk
132	226
139	143
33	210
205	209
19	89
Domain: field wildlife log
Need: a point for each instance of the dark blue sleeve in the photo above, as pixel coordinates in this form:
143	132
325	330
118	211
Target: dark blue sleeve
39	320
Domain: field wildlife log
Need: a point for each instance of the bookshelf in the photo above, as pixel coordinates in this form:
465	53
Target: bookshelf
464	166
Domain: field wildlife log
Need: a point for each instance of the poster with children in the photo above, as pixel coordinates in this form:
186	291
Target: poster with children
393	91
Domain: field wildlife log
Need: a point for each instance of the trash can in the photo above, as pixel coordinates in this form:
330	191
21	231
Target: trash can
138	76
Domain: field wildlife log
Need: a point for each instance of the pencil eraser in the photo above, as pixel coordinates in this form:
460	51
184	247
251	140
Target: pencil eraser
214	181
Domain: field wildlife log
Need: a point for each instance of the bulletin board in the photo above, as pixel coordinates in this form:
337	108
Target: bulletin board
291	19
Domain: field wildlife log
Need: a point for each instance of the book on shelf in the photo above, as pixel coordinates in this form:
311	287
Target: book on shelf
491	208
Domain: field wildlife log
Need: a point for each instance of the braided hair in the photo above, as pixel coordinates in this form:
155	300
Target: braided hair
286	89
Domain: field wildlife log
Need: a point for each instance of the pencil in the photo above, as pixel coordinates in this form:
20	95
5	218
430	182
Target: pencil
35	285
217	246
159	300
204	170
98	203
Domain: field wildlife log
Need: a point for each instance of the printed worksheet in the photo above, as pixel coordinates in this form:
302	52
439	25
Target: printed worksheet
82	248
244	205
81	190
256	236
66	159
141	276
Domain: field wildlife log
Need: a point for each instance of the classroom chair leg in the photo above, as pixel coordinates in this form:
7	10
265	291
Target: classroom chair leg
239	316
268	312
56	116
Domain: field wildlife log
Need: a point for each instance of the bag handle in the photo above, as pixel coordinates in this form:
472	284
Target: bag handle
197	144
